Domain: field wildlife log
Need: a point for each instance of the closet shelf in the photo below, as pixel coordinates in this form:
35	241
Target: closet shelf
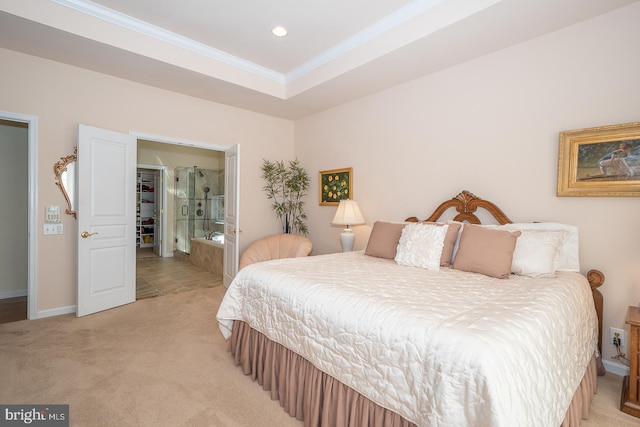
145	209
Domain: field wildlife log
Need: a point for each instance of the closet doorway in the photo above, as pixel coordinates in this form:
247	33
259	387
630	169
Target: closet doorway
14	226
150	209
18	133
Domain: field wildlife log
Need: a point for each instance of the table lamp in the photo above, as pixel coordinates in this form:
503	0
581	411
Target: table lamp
347	214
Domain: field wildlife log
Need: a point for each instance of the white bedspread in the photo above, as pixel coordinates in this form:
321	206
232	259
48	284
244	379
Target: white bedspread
445	348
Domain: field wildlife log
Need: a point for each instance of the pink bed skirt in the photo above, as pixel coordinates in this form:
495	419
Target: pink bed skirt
320	400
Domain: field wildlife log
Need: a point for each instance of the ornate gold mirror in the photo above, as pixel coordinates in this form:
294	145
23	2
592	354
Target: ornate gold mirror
65	173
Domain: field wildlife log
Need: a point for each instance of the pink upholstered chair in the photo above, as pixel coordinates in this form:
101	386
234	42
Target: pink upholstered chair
275	247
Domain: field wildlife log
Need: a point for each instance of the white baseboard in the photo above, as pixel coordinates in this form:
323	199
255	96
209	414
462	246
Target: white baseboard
13	294
56	312
616	368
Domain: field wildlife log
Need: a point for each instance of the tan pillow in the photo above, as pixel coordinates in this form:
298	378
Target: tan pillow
486	251
384	238
449	242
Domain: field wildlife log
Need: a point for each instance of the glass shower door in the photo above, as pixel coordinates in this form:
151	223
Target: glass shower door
198	205
184	205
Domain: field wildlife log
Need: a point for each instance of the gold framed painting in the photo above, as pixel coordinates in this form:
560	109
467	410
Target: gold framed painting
335	185
600	161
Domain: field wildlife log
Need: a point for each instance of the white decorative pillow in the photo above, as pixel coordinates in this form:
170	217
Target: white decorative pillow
421	245
536	252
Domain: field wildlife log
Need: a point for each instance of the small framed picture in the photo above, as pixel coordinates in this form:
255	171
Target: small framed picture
335	185
600	161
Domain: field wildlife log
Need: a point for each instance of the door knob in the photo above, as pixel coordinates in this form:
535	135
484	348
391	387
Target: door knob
86	234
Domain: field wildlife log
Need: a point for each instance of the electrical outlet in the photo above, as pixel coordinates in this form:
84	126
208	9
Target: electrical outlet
53	229
614	334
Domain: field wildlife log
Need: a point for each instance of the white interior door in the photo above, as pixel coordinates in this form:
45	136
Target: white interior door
106	219
231	214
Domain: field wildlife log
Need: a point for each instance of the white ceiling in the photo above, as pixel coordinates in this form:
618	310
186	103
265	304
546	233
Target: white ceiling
223	51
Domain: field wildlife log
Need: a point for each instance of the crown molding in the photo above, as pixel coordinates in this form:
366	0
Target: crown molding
116	18
389	22
359	39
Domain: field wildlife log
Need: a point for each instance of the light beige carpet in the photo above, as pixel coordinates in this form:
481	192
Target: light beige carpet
156	362
605	407
160	362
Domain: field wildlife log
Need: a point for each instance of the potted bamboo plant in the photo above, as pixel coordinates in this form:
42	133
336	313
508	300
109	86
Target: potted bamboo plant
286	185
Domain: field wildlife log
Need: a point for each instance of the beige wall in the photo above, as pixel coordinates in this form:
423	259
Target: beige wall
491	126
62	96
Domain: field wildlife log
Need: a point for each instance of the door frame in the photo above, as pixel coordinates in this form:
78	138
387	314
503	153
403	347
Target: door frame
32	270
185	143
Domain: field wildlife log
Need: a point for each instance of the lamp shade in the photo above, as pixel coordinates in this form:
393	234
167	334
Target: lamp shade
348	214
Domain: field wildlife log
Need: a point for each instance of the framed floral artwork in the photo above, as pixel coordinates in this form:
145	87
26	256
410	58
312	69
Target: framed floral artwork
600	161
335	185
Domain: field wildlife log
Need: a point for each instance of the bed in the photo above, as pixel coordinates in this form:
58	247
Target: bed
424	327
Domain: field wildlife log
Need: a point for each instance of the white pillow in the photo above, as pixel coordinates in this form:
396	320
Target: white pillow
568	258
457	244
536	252
421	245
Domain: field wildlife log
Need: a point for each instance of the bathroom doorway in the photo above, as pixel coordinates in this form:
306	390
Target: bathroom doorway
176	158
174	271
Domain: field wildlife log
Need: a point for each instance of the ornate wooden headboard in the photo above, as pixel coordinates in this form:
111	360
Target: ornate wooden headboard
466	204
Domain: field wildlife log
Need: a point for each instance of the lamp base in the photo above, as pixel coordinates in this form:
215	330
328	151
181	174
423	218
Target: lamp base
347	239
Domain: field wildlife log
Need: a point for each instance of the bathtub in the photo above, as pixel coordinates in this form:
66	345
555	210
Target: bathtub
207	254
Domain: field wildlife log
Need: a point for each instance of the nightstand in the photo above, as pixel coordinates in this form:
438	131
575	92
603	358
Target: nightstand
630	399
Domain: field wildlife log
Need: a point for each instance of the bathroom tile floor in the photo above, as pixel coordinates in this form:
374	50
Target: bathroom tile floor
169	275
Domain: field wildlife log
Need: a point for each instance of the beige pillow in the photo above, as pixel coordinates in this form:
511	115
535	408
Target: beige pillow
384	238
486	251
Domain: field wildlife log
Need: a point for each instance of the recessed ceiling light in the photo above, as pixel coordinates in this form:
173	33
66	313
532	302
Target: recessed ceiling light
279	31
